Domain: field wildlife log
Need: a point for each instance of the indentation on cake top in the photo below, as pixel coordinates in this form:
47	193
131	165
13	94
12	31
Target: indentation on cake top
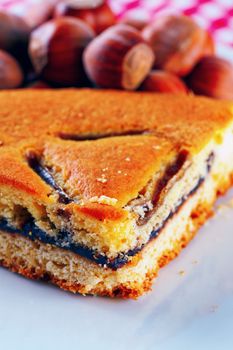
46	175
93	136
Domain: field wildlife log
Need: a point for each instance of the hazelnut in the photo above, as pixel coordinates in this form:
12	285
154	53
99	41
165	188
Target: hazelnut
162	81
14	36
178	43
11	75
56	50
212	76
97	14
118	58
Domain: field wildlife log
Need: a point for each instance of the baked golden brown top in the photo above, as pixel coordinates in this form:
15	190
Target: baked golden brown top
187	119
100	143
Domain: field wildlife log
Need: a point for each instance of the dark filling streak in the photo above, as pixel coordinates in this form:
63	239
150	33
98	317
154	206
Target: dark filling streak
209	162
170	172
64	239
89	137
46	175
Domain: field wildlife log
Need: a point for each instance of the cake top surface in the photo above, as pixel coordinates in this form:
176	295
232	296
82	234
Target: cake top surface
101	146
185	119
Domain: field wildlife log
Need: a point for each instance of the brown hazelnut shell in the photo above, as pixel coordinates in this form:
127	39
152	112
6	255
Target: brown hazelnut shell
14	37
162	81
11	75
212	76
56	50
98	15
118	58
178	43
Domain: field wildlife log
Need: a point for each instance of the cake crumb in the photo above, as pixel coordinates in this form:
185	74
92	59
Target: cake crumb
181	272
222	208
213	308
127	159
156	147
139	210
102	180
103	200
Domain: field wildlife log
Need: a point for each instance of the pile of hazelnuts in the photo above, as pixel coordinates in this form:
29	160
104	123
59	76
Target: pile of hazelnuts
81	43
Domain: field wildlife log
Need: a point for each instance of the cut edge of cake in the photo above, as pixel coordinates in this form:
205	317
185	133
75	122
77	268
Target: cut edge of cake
72	272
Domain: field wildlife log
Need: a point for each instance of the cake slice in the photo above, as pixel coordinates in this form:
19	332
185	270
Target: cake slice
99	189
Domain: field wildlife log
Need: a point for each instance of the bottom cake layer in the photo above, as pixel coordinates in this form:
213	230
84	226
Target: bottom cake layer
72	272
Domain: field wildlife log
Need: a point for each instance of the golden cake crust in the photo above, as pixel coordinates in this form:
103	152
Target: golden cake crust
115	166
51	112
16	173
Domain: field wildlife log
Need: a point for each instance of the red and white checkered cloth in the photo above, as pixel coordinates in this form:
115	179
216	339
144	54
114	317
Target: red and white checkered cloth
214	15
